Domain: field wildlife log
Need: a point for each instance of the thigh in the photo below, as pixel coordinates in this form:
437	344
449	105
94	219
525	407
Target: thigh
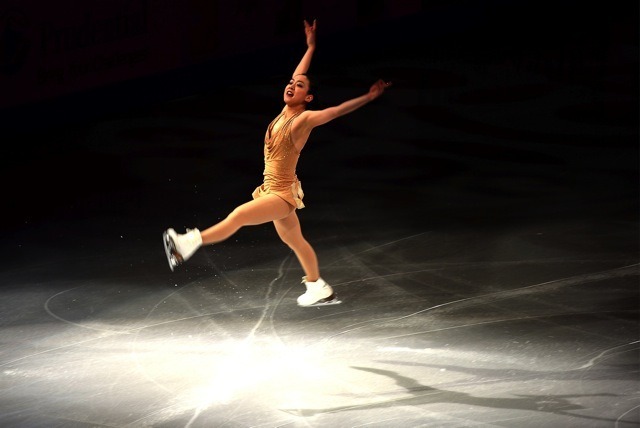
262	210
288	227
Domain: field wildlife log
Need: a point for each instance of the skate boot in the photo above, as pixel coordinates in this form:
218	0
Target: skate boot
318	293
180	247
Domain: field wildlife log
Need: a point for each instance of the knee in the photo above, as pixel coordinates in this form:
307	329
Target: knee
237	216
295	243
284	237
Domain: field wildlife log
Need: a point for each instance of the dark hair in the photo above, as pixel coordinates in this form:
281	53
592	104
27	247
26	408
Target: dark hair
313	87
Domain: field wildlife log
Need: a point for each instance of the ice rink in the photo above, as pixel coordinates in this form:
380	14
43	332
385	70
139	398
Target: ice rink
479	223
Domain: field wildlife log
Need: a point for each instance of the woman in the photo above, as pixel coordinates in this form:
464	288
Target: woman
280	194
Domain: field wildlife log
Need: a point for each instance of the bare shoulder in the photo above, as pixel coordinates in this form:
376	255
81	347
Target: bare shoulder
309	119
302	120
305	115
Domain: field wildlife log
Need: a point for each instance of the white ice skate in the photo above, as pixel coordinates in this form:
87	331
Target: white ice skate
179	247
318	293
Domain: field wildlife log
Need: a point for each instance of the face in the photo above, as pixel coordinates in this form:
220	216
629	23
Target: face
297	91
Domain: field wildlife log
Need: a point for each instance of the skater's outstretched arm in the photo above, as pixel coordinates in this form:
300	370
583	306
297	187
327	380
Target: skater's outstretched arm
305	62
312	118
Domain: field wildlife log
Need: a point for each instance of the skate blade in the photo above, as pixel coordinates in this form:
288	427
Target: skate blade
170	251
331	300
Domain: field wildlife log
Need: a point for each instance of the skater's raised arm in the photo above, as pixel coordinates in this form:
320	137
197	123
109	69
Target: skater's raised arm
305	62
313	118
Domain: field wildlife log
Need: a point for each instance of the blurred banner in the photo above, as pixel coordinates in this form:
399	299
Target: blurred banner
54	48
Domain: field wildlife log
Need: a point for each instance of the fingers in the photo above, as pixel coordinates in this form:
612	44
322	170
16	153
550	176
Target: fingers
378	88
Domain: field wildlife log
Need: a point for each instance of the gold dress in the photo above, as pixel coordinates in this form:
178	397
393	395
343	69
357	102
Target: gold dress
280	160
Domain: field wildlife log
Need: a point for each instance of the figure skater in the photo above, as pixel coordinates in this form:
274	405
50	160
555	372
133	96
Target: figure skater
280	194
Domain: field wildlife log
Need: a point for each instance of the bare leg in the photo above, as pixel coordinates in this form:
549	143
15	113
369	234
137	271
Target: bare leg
261	210
288	229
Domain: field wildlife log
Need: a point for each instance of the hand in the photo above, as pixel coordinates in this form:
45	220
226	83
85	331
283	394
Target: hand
378	88
310	31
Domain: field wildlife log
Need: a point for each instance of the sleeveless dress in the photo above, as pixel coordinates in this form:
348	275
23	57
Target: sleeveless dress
280	161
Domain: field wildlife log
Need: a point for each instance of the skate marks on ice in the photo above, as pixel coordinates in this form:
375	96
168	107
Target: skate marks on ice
243	364
626	271
164	352
253	364
200	354
551	311
231	379
396	270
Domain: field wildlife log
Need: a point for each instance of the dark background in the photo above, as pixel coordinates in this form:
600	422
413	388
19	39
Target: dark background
542	62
